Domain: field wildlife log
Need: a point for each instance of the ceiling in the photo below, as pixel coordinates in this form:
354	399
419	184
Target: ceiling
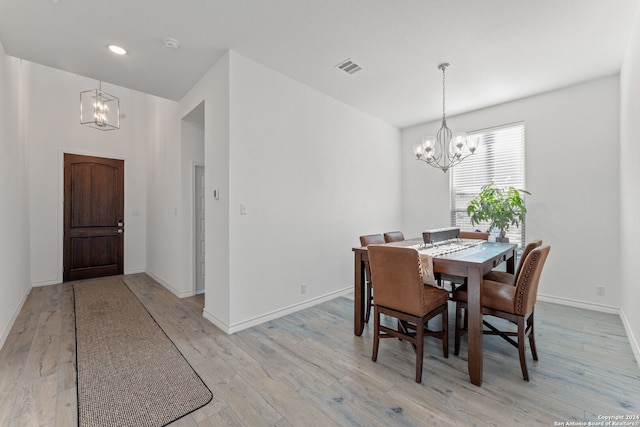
500	50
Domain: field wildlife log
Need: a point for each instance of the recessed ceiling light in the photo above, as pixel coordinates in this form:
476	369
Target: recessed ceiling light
117	49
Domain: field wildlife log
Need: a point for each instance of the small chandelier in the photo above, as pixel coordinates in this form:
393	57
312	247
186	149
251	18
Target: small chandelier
99	110
447	149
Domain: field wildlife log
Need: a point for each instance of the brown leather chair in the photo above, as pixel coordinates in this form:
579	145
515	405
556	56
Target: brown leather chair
400	293
504	277
473	235
369	239
514	303
393	236
459	280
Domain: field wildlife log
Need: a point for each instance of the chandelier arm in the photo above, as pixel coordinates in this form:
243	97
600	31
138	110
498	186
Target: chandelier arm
440	153
451	162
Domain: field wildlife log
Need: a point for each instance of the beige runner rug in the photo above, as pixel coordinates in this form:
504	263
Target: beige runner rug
129	372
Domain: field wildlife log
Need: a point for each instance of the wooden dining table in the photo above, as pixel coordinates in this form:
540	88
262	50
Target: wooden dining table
472	263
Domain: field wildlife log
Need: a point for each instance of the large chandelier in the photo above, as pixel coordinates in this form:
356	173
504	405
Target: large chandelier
447	149
99	110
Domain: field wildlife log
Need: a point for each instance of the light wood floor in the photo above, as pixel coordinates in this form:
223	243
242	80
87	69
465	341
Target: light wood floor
308	369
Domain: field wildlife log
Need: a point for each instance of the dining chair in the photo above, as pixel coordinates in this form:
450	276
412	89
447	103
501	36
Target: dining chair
513	303
367	240
503	276
400	293
473	235
393	236
460	280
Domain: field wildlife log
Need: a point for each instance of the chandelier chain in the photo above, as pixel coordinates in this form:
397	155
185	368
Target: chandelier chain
444	116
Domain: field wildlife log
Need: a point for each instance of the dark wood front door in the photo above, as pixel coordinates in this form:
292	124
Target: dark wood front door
93	217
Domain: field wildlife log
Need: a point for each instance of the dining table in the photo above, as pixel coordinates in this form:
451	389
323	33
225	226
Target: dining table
472	262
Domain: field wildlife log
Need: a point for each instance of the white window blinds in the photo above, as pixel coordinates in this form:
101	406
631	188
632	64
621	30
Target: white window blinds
499	159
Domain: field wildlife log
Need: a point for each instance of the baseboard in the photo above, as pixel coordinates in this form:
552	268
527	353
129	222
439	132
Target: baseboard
14	316
245	324
217	322
635	346
135	271
580	304
45	283
168	286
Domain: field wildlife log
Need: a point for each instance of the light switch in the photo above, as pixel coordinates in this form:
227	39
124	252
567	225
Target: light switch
243	209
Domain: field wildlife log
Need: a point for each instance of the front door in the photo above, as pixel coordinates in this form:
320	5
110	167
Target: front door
93	217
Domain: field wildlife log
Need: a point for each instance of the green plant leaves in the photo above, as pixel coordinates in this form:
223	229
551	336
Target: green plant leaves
501	207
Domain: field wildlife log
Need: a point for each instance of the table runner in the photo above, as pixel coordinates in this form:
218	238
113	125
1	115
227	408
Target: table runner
428	251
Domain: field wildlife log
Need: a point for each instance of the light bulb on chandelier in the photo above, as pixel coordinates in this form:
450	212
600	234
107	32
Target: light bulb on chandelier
100	112
446	149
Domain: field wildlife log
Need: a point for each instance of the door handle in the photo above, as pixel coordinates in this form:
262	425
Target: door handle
120	231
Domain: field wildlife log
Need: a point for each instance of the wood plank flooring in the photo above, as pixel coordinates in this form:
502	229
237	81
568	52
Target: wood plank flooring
308	369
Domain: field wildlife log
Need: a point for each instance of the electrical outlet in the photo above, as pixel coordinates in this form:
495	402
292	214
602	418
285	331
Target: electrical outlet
600	290
303	288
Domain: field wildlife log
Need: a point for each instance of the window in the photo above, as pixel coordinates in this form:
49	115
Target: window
499	159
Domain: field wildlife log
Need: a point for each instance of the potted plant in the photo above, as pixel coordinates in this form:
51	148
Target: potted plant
501	207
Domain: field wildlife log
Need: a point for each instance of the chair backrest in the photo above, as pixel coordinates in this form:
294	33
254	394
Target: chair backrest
396	273
473	235
527	282
372	239
393	236
527	250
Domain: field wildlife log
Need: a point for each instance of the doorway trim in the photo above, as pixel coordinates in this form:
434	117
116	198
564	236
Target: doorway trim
194	224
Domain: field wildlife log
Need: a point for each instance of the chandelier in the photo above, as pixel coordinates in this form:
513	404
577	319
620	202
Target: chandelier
99	110
447	149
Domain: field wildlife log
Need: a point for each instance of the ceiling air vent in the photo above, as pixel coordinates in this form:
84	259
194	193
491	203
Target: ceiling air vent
348	66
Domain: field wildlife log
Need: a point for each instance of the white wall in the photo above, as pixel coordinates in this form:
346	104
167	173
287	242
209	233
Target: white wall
52	123
314	174
14	209
164	201
629	180
572	158
213	90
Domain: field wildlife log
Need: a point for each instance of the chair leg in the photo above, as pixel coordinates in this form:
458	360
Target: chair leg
522	348
419	352
376	333
532	338
465	319
367	310
456	348
445	332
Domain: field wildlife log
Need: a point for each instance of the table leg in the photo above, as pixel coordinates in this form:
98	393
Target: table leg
474	315
358	294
